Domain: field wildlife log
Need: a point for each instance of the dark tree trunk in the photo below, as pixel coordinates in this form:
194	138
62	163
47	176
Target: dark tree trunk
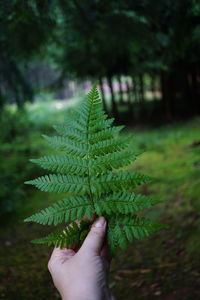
20	80
18	99
102	94
121	99
16	91
188	90
135	90
141	84
142	111
166	96
153	88
129	98
113	103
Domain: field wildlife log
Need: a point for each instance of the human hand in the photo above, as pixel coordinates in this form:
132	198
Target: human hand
82	275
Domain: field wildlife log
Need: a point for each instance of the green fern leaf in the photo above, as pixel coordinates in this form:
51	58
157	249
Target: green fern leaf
113	161
108	146
123	229
61	183
63	164
66	210
67	145
100	125
112	182
90	172
69	237
71	133
105	134
75	208
122	203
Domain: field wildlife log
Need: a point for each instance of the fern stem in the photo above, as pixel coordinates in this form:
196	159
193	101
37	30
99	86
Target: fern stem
88	156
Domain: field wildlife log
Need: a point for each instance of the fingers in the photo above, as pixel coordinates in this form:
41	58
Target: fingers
95	238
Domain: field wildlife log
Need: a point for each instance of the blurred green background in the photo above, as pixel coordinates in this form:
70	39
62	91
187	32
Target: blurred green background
145	56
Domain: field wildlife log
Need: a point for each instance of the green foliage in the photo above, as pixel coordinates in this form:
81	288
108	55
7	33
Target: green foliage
72	236
172	156
16	146
89	174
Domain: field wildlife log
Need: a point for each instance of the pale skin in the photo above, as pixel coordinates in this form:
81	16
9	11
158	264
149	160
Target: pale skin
82	274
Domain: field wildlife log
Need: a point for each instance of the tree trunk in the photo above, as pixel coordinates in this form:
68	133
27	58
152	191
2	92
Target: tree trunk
153	88
129	98
121	99
18	99
103	94
113	103
135	90
20	80
166	97
141	83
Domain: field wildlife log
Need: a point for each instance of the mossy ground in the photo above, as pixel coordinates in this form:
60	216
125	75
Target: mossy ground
164	266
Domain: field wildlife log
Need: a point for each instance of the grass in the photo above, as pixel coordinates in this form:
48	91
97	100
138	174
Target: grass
170	269
165	266
173	159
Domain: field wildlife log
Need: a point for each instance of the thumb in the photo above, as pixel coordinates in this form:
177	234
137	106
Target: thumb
95	238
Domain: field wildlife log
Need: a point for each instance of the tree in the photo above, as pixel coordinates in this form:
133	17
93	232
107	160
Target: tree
25	29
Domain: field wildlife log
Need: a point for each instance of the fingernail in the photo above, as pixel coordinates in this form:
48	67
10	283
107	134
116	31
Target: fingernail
100	222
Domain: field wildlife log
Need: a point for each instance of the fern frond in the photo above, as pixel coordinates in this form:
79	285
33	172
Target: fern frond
105	134
72	133
93	96
100	125
75	208
67	145
122	203
69	237
89	172
112	182
63	164
61	183
73	122
66	210
81	118
123	229
112	161
108	146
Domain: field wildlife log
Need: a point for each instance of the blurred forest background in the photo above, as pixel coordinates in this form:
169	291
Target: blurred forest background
145	56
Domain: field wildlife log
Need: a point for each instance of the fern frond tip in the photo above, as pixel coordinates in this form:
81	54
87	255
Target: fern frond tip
29	182
27	220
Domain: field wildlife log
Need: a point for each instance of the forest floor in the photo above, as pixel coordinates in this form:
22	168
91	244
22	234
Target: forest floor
165	266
